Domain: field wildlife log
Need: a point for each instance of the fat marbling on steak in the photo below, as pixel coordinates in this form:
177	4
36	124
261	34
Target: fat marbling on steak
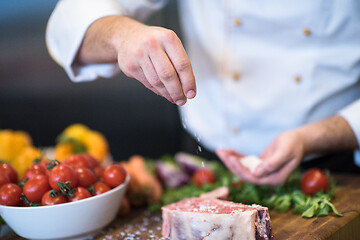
213	219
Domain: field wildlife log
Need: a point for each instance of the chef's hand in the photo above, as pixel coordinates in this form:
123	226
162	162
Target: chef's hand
152	55
279	160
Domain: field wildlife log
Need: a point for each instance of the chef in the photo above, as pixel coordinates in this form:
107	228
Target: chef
276	79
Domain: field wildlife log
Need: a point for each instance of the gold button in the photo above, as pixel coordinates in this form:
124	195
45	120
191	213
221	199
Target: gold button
306	31
298	79
237	22
235	130
236	76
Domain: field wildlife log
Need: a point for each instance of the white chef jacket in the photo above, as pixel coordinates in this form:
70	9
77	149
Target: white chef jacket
261	67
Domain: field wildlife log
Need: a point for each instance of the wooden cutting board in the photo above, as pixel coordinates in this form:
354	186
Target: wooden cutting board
142	225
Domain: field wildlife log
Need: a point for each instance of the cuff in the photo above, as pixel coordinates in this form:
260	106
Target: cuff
352	115
65	31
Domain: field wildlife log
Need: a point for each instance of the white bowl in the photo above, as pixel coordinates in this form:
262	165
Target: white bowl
73	220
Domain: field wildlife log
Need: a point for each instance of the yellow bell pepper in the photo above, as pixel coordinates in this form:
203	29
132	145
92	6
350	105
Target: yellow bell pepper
78	138
96	145
76	131
63	151
12	142
25	159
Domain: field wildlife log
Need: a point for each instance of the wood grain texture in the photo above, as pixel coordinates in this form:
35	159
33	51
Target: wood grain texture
143	225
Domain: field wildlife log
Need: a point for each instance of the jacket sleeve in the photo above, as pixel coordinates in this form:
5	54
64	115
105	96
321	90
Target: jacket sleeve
69	22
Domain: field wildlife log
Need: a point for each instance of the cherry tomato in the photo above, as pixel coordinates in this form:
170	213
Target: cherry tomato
101	187
80	193
314	180
94	162
36	169
114	175
98	170
35	188
4	179
63	173
10	195
44	162
47	200
9	171
203	176
78	160
237	183
86	177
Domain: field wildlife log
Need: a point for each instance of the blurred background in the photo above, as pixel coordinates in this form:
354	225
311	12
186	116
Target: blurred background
37	96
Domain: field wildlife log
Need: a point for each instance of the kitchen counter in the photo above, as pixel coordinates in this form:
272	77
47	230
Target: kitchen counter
140	224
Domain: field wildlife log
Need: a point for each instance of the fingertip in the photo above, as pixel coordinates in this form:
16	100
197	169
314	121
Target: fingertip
217	151
220	153
180	102
233	158
259	171
191	94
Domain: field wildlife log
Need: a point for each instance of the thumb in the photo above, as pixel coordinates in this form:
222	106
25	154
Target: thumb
266	167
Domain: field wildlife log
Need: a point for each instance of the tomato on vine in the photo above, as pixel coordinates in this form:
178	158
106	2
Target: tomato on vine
114	175
203	176
52	197
86	177
94	162
99	170
80	193
35	187
65	174
78	160
9	171
10	194
4	179
101	187
36	169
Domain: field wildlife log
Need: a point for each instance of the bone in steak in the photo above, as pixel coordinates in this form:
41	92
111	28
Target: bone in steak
213	219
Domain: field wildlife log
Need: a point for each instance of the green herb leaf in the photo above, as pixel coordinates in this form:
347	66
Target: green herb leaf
309	213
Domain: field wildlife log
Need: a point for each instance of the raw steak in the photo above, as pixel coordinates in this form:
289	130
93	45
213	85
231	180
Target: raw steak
213	219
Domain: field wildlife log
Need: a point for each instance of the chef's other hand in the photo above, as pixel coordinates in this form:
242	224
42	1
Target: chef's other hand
232	160
152	55
279	160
